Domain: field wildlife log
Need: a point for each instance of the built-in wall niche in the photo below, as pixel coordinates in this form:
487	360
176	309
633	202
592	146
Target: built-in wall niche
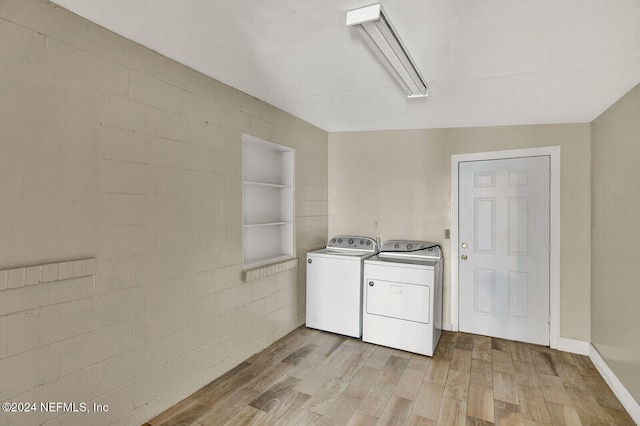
267	201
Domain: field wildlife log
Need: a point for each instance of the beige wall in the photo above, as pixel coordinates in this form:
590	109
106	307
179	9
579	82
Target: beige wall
616	202
397	184
110	151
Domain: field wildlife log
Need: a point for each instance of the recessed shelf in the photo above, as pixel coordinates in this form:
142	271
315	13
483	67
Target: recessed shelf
267	202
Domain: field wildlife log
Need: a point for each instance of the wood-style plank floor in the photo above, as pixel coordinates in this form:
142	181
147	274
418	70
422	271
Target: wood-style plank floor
317	378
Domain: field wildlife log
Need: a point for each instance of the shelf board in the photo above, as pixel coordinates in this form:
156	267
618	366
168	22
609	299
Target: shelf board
261	261
256	225
271	185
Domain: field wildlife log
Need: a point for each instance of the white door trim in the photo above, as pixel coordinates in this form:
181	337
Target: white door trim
554	224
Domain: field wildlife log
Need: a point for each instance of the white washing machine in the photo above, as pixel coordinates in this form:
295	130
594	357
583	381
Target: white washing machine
334	284
403	296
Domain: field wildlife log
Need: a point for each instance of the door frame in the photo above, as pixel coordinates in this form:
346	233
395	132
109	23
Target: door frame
553	152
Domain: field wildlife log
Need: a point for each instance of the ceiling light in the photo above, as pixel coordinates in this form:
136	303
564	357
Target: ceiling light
375	27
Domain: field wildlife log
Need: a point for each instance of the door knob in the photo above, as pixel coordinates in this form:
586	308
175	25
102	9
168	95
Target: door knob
464	245
463	257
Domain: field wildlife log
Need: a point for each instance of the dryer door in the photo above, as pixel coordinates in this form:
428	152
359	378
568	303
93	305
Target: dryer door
398	300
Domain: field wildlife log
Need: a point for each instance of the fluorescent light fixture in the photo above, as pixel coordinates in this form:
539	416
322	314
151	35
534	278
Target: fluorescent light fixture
375	27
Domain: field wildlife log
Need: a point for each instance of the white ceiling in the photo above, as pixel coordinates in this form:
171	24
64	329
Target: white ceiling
488	63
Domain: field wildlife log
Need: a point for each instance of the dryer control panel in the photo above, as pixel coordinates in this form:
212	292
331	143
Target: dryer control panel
417	250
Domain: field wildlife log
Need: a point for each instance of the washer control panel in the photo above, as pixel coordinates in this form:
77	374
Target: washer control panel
353	242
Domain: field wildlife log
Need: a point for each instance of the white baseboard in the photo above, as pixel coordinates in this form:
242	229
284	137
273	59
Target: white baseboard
626	399
447	327
579	347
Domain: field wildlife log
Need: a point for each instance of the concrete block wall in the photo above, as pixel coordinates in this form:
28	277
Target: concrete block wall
114	153
46	313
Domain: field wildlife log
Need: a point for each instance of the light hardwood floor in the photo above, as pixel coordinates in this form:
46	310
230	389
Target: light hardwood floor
313	377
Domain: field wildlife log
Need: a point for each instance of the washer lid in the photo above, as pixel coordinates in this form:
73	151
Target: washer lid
399	250
352	243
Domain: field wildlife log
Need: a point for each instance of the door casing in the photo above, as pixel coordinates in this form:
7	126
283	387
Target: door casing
554	226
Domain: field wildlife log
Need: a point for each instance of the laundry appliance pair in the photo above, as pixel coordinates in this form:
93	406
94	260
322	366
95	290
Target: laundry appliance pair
389	295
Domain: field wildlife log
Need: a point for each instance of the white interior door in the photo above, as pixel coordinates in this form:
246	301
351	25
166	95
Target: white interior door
503	262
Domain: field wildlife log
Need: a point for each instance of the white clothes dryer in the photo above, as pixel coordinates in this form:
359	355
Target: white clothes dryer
402	287
334	284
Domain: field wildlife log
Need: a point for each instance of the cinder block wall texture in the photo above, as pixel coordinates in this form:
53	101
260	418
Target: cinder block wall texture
109	151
